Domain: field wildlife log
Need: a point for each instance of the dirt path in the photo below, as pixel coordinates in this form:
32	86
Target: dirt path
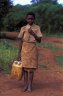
55	41
46	83
48	80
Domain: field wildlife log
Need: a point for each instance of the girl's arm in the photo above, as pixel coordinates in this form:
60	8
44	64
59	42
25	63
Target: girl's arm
38	39
19	50
20	46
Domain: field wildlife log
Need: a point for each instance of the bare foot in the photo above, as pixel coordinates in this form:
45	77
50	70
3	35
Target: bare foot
25	89
29	89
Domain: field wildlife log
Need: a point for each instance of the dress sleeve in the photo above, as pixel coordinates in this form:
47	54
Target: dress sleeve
39	33
21	33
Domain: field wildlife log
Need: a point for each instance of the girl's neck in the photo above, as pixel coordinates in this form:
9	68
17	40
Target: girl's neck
31	24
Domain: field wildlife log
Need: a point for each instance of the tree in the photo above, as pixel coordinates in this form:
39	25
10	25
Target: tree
5	5
34	1
43	1
14	20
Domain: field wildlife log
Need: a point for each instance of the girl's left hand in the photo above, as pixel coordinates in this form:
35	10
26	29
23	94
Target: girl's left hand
31	31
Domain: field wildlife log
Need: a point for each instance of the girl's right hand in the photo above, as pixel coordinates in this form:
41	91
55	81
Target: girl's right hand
19	58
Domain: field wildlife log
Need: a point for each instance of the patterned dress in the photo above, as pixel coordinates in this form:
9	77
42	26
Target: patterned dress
29	53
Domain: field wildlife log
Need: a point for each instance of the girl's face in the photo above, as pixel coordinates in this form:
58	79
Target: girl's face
30	19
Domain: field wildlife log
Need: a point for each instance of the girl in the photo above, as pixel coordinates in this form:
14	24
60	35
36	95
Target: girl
28	55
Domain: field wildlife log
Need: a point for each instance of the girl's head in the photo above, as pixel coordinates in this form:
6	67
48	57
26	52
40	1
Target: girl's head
30	17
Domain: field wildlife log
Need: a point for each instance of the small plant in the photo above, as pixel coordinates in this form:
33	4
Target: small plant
8	53
49	46
2	34
58	42
59	60
43	66
59	35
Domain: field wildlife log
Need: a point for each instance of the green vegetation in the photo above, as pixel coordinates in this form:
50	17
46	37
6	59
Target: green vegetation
49	15
49	46
58	42
44	1
43	66
59	35
2	34
5	5
59	60
8	53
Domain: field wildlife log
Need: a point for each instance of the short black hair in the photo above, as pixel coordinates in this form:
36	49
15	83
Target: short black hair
31	13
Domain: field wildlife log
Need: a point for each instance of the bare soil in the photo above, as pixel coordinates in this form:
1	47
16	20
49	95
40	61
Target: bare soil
48	79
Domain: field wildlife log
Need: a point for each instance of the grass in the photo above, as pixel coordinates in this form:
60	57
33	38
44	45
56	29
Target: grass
2	33
49	46
59	60
58	42
59	35
43	66
8	53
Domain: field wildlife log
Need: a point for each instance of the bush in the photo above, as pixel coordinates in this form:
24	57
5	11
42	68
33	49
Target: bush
48	15
8	53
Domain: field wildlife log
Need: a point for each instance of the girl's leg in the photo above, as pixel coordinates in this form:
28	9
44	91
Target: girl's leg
25	80
30	80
